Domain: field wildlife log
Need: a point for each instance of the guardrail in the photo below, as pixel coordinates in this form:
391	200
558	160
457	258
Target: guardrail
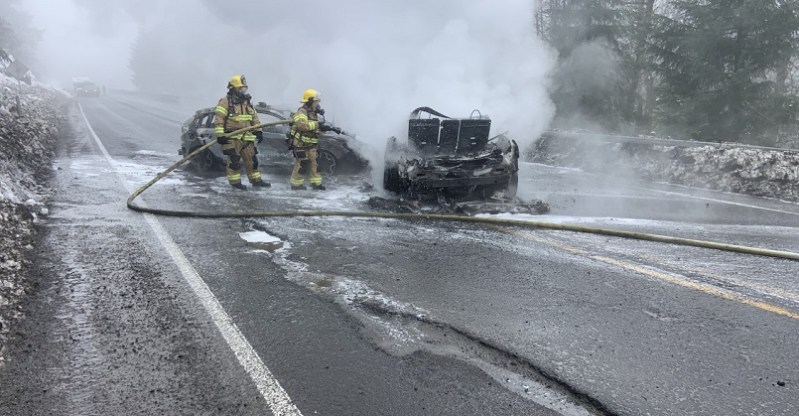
608	138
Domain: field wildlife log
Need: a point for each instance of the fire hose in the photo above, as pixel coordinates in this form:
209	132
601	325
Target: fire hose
436	217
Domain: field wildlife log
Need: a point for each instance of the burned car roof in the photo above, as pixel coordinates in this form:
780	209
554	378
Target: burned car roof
453	157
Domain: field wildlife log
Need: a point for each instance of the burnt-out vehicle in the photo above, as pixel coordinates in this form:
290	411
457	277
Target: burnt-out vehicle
338	153
451	157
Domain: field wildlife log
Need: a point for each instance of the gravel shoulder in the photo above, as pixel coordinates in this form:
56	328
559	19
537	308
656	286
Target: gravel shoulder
28	135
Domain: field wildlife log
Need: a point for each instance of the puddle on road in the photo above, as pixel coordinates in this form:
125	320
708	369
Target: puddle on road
324	282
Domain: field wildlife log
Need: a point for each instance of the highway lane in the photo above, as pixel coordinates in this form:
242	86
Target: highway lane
637	328
357	316
720	213
705	215
118	326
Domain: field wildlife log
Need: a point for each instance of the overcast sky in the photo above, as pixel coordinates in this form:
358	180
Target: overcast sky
371	60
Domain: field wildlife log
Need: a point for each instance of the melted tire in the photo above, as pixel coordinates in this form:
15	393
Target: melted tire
391	179
327	163
513	186
206	162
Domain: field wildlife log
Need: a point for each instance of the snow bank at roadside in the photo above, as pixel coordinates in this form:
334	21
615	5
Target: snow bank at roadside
762	173
758	172
29	119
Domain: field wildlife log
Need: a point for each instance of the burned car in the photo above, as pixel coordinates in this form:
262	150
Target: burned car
451	157
338	153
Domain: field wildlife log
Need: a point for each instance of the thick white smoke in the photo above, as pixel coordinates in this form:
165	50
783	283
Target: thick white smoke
373	62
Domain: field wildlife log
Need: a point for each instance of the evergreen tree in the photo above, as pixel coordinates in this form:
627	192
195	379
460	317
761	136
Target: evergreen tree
147	60
17	37
7	40
642	74
602	75
719	60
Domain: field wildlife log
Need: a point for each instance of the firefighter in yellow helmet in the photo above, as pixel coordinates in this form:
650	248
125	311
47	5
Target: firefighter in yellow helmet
233	112
305	132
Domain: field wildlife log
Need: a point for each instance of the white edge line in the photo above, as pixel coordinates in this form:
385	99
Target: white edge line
276	398
701	198
721	201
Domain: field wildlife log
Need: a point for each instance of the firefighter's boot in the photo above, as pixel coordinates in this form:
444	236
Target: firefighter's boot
298	187
261	184
239	186
318	187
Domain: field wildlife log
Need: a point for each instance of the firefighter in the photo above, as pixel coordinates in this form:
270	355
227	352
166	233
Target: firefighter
233	112
305	132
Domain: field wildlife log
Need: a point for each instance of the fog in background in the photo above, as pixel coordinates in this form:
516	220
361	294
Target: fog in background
75	42
373	62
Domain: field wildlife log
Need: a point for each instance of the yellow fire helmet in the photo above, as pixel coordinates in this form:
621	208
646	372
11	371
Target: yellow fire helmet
310	95
237	81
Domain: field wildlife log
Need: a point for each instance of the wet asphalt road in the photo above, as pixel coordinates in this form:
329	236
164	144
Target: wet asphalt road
383	317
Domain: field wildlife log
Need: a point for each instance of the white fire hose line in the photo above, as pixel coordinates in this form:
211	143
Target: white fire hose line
276	397
460	218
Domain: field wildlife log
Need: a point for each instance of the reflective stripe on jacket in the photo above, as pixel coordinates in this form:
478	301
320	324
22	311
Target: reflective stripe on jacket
229	116
305	128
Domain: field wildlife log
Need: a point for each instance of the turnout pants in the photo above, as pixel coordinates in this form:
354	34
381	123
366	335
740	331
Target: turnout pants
308	155
241	153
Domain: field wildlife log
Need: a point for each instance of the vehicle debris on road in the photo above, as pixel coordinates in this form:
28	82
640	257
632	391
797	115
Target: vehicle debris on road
444	205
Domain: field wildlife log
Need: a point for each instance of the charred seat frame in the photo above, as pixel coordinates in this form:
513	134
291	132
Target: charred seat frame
452	157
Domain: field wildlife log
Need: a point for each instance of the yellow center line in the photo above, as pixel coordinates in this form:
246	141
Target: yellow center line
666	277
765	289
701	287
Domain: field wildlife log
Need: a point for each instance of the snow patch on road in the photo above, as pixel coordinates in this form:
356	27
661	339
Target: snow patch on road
258	237
346	290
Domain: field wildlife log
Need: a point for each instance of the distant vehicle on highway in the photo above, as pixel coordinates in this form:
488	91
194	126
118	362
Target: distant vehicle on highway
338	153
85	87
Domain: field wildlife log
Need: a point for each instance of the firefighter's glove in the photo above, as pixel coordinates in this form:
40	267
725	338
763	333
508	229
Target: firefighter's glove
334	129
320	111
222	140
259	135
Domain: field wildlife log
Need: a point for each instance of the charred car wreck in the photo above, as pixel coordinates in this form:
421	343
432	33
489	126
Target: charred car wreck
451	157
339	153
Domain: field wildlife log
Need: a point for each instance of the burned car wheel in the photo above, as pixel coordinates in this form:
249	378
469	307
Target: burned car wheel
206	161
513	186
504	192
327	163
391	179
